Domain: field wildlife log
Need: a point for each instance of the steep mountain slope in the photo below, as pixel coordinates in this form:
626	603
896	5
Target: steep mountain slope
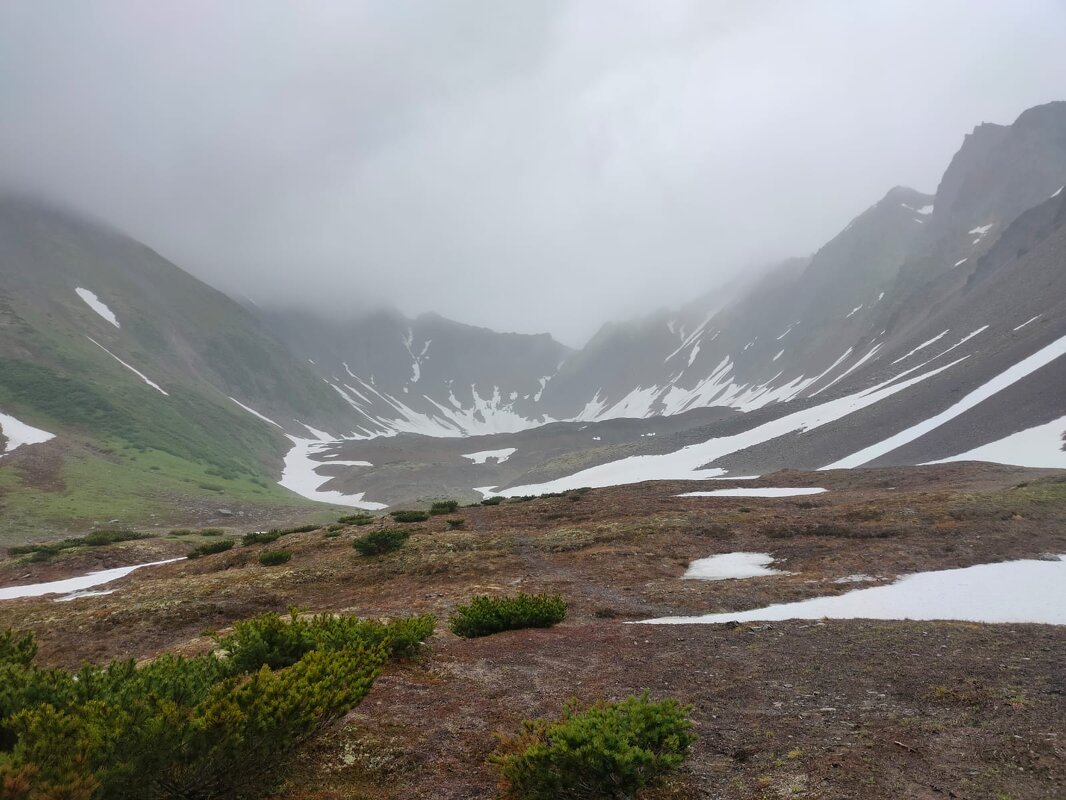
131	363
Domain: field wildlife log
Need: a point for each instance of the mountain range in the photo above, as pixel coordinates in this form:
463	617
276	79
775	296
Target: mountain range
930	328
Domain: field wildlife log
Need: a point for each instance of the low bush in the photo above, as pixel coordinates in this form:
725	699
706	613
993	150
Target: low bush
181	532
211	548
486	615
334	528
444	507
260	537
212	532
278	642
357	519
456	524
44	551
299	529
273	558
409	516
607	750
378	543
201	727
492	501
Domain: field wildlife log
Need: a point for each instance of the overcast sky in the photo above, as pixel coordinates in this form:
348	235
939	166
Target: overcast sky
522	164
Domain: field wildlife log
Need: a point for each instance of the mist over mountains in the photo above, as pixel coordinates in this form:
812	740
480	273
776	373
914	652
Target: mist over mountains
920	300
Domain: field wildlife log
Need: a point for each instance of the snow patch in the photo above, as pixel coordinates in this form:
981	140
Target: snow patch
732	566
300	474
981	231
1011	591
98	306
1033	319
960	262
768	492
19	433
854	311
500	455
1057	192
68	585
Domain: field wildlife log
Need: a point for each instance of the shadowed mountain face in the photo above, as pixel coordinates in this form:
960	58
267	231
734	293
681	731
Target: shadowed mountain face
949	291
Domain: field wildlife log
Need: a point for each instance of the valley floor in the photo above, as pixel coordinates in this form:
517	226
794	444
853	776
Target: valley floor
815	709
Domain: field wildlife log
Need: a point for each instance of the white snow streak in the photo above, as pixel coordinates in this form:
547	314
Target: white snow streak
134	370
922	346
1039	446
1033	319
98	306
1006	378
254	413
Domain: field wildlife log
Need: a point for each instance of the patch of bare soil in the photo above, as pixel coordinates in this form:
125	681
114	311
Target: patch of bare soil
847	709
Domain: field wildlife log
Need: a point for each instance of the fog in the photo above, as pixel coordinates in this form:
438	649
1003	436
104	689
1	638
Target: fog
525	166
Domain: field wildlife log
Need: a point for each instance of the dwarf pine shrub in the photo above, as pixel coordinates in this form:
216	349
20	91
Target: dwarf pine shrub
201	727
495	500
274	558
607	750
260	537
298	529
357	519
377	543
409	516
486	615
444	507
211	548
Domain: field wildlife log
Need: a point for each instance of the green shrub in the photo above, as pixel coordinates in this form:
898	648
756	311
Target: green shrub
444	507
608	750
260	537
210	548
357	519
299	529
492	501
455	524
334	528
378	543
211	532
181	532
42	552
104	538
273	558
409	516
278	642
202	727
486	615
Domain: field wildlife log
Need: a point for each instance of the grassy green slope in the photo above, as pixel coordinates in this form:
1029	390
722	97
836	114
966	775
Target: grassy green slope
123	449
